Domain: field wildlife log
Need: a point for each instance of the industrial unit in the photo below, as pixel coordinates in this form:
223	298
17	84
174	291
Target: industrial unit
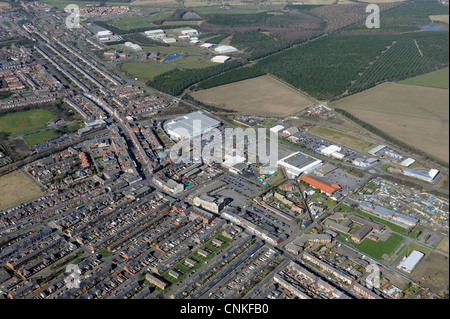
185	127
298	163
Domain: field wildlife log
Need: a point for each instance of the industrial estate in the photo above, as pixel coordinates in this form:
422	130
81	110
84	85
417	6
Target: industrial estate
96	99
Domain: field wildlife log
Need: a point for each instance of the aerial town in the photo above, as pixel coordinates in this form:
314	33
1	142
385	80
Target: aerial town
93	204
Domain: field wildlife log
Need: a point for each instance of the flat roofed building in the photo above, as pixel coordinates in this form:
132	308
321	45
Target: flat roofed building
298	163
225	49
376	149
154	32
220	59
407	162
190	125
324	170
104	33
276	128
212	203
408	263
189	32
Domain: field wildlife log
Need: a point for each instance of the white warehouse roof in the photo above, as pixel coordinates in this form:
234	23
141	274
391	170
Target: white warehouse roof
298	163
408	264
220	58
186	126
225	49
206	45
104	33
376	149
158	31
407	162
276	128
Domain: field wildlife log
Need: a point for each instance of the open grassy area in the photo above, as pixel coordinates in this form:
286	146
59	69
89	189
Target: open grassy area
39	137
416	115
348	140
414	246
132	22
257	96
416	232
437	79
26	121
144	71
378	249
17	188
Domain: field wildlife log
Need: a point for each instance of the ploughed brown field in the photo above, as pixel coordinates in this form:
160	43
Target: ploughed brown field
262	95
416	115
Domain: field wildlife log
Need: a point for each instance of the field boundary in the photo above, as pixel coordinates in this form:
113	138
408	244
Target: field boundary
391	139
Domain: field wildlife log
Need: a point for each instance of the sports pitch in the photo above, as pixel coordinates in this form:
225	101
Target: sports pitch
26	121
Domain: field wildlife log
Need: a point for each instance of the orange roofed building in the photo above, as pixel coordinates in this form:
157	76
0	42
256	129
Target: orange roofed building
324	187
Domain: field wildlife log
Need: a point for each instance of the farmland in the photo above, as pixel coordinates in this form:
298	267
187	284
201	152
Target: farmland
405	58
176	81
342	58
259	95
129	23
437	79
348	140
144	71
420	116
16	188
26	121
407	17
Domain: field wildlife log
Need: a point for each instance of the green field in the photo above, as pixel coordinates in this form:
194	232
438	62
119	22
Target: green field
26	121
129	23
437	79
39	137
378	249
144	71
348	140
414	246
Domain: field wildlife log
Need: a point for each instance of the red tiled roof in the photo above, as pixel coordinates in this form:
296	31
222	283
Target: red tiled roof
317	183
